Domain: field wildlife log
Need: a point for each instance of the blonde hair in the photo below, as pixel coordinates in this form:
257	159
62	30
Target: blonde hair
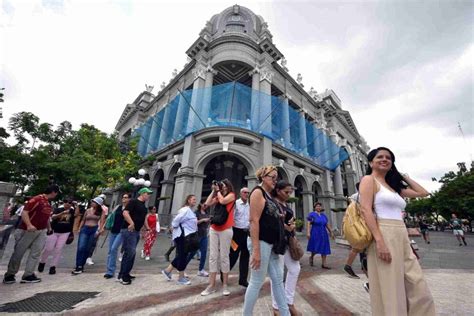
263	171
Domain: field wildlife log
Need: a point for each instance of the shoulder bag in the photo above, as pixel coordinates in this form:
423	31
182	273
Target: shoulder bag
354	227
295	249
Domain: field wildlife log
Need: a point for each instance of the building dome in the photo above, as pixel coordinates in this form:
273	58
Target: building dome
237	20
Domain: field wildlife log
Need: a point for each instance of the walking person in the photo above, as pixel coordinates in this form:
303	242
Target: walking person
220	236
266	242
105	211
203	222
281	193
134	217
152	226
424	228
397	286
88	231
353	253
62	222
115	236
318	232
31	234
184	224
456	224
241	233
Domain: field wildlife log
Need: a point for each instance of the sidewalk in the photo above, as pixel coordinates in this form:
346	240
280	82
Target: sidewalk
319	292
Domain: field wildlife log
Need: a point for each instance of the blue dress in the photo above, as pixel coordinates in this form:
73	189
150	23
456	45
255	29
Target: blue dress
319	238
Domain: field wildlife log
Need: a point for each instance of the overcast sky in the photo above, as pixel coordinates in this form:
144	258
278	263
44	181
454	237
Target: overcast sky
404	69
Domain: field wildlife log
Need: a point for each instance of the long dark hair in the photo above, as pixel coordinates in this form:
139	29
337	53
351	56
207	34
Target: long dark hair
97	208
228	184
393	178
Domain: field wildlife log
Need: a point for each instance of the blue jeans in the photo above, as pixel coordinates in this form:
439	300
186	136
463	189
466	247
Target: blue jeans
203	250
269	262
86	239
129	246
114	243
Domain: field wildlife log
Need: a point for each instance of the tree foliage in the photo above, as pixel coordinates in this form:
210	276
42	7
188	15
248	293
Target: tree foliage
455	195
82	161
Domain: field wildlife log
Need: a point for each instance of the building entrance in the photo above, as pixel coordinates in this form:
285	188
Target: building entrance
224	167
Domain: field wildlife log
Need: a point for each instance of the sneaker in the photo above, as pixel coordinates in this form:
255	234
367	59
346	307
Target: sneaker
244	284
465	243
142	255
167	275
52	270
132	277
9	279
147	258
351	273
30	279
460	244
41	266
366	286
108	276
76	271
208	290
183	281
118	279
120	257
126	281
225	291
89	262
203	273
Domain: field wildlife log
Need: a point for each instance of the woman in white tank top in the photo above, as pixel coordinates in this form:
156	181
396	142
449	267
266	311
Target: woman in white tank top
397	286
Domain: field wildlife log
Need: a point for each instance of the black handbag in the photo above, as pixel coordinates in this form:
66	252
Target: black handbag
70	238
191	241
219	214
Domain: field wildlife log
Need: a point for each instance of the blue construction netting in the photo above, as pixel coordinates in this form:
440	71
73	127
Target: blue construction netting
234	104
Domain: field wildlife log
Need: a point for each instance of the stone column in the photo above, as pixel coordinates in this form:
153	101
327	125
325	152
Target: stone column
265	120
165	132
337	173
285	121
254	111
195	122
183	108
302	127
307	203
185	176
154	134
207	98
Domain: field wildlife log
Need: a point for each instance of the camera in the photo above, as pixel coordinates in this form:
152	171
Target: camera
218	183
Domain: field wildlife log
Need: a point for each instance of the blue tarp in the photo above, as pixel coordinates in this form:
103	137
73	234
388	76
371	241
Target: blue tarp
234	104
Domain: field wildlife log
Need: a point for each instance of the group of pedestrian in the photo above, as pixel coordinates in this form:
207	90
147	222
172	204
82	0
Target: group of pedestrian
257	227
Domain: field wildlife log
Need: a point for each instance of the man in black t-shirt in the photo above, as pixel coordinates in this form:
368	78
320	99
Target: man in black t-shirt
134	217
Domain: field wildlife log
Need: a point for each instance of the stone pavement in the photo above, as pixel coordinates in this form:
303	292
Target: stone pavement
447	267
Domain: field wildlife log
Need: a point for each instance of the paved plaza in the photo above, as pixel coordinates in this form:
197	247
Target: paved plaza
448	269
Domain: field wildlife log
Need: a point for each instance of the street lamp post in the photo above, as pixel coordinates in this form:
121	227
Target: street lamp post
140	181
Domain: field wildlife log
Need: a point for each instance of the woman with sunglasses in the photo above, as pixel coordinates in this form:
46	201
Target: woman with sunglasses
266	242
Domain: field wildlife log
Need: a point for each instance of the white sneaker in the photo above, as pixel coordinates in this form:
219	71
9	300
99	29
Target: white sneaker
147	258
120	257
208	290
142	254
203	273
89	261
225	291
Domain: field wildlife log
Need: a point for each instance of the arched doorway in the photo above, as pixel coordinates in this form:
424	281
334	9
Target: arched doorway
317	191
156	187
224	167
299	188
282	175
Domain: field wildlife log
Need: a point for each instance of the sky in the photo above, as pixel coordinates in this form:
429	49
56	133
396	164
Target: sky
404	69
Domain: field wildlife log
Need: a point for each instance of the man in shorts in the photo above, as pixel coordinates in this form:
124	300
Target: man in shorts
456	223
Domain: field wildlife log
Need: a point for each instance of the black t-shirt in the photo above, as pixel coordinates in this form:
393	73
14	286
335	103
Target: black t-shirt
137	211
64	223
118	220
288	216
270	223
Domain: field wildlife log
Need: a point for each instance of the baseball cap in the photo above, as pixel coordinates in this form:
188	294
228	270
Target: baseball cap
144	190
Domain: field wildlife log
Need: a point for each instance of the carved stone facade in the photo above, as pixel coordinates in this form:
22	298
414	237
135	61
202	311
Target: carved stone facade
236	46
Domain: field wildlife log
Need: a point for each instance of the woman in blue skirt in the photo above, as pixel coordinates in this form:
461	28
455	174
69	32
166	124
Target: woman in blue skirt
318	232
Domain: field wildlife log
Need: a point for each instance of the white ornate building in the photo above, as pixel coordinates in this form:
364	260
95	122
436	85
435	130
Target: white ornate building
233	108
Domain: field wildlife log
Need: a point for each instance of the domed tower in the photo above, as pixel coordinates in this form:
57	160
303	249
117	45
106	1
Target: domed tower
233	108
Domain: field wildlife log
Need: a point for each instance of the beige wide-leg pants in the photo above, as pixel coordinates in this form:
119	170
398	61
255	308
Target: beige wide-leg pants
397	288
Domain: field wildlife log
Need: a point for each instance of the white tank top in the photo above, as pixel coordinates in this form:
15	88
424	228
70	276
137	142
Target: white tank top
388	204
